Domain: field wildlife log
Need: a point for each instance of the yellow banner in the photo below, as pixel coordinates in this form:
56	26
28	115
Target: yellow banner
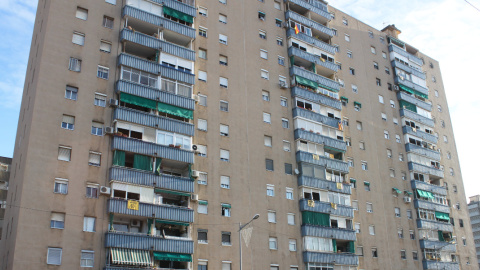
311	203
316	157
339	186
133	205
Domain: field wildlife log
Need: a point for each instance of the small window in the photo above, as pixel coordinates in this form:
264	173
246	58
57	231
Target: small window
78	38
272	243
397	212
286	146
87	256
378	82
374	253
272	216
223	1
225	182
403	254
226	238
400	158
289	193
412	234
54	256
349	54
452	172
277	5
436	93
373	50
202	236
284	101
75	64
64	153
224	155
60	186
285	123
100	100
88	224
224	130
357	228
292	245
445	139
281	60
261	16
262	34
384	55
105	46
370	34
97	129
203	11
279	41
107	22
264	54
223	106
222	18
202	178
113	2
392	103
265	95
288	168
290	219
264	74
94	158
380	99
202	76
226	209
371	229
347	38
226	265
375	65
362	145
278	22
359	125
202	53
364	166
223	82
384	116
386	134
267	118
102	72
71	92
81	13
202	31
352	71
202	124
387	70
68	122
439	108
92	191
398	139
269	164
409	214
345	21
267	140
57	221
202	100
223	60
202	207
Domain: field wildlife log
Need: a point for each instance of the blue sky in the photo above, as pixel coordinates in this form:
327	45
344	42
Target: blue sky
447	30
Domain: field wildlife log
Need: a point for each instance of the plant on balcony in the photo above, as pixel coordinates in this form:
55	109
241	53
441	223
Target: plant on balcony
171	145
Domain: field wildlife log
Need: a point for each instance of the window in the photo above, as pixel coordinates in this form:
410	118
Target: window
64	153
357	228
384	55
392	103
68	122
75	64
348	141
203	11
398	139
434	79
445	139
380	99
78	38
349	54
347	38
278	22
269	164
105	46
374	253
370	34
270	190
350	162
202	100
436	93
355	205
92	191
226	209
454	188
387	70
281	60
395	121
100	100
400	158
366	185
292	245
57	221
264	74
369	207
264	54
202	236
54	256
88	224
359	251
226	265
337	48
202	207
386	134
202	31
262	34
94	158
60	186
384	116
352	72
265	95
345	21
460	221
464	241
354	89
286	146
223	106
81	13
224	130
285	123
113	2
364	166
272	216
272	243
223	61
71	92
222	18
202	53
282	81
226	238
409	214
86	258
288	168
261	16
202	124
371	229
289	194
267	118
389	86
359	125
335	32
223	82
362	145
202	178
403	254
223	2
277	5
290	219
392	173
267	140
412	234
107	22
97	128
224	155
102	72
397	212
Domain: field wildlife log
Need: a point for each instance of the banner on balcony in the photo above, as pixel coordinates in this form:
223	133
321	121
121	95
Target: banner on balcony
133	205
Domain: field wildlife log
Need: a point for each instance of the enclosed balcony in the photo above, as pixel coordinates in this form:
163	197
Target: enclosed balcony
333	164
417	117
408	69
327	232
298	91
184	6
430	170
428	187
318	29
320	80
422	151
421	134
327	208
434	225
411	57
147	242
336	258
410	98
317	7
320	65
329	121
430	264
438	245
328	142
305	181
321	44
411	85
431	206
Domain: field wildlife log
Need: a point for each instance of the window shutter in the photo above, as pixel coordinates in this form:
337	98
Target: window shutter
202	149
223	59
68	119
202	75
94	158
224	180
225	154
105	46
58	217
291	219
54	256
202	124
223	129
78	38
97	125
64	153
223	81
113	2
82	13
226	266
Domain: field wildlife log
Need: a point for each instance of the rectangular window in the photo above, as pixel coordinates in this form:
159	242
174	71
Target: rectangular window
78	38
225	182
202	207
222	18
224	130
226	265
57	221
347	38
292	245
369	207
359	125
202	53
92	191
357	228
223	82
264	54
397	212
201	150
371	229
75	64
373	50
288	168
102	72
64	153
54	256
81	13
113	2
108	22
105	46
226	212
269	164
202	178
68	122
97	129
202	100
265	95
286	146
223	106
203	11
100	100
283	101
88	224
272	243
267	118
60	186
202	124
223	39
202	236
270	190
267	141
285	123
272	216
94	158
364	166
202	31
224	155
87	258
279	41
281	60
264	74
223	60
71	92
291	219
289	194
226	241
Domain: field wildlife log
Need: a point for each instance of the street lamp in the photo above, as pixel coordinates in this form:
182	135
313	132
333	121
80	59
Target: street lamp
240	228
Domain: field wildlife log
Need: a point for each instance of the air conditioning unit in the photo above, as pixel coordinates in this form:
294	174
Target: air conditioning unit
194	197
135	223
195	174
407	199
113	102
109	130
283	84
285	25
105	190
395	87
297	172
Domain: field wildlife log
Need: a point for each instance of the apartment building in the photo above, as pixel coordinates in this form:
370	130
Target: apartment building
4	177
474	211
171	124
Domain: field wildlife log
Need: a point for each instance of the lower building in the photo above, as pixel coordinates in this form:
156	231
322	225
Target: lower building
5	164
474	211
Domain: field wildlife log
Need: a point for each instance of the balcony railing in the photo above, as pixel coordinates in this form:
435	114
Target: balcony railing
411	57
437	245
185	6
320	139
412	85
315	77
434	225
412	166
154	121
292	51
422	134
300	112
411	99
323	184
326	208
151	149
158	21
157	44
307	22
429	187
314	6
440	265
333	164
408	69
143	178
144	268
325	232
146	242
338	258
316	97
431	206
155	68
410	147
162	211
417	117
311	40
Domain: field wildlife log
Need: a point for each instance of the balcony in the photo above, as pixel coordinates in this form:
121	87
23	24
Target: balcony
158	21
325	232
306	181
185	6
417	117
152	120
431	206
329	67
157	44
429	187
317	98
151	149
333	164
146	242
314	6
440	265
412	85
434	225
412	166
327	32
155	68
411	57
338	258
408	69
324	82
143	178
326	208
422	151
166	212
421	134
339	145
299	112
438	245
311	40
417	102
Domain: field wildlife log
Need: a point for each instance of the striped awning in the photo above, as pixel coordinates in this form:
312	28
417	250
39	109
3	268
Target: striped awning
130	257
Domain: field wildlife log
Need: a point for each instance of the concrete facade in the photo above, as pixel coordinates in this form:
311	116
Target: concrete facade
474	211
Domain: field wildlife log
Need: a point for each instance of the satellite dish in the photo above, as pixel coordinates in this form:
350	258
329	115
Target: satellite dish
297	172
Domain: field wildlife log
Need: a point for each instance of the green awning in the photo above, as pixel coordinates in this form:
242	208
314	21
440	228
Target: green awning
328	88
397	190
278	20
344	98
139	101
171	222
408	192
261	13
355	103
425	194
174	110
366	183
353	180
174	257
225	205
442	216
130	257
394	40
203	202
411	91
177	14
314	218
306	82
172	192
407	105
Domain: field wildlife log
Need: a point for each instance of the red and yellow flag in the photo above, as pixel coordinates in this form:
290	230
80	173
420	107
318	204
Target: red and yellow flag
296	29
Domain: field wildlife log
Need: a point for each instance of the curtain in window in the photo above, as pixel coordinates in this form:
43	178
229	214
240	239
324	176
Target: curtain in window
440	236
408	106
142	162
158	164
351	247
313	218
119	158
334	244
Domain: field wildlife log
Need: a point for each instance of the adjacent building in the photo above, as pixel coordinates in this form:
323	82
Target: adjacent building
4	177
149	130
474	210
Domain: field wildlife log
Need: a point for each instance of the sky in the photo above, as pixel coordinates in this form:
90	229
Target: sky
446	30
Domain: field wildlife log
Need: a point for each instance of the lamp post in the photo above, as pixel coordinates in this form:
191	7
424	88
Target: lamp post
240	228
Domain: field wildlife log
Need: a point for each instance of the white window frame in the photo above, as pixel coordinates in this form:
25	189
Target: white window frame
225	182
